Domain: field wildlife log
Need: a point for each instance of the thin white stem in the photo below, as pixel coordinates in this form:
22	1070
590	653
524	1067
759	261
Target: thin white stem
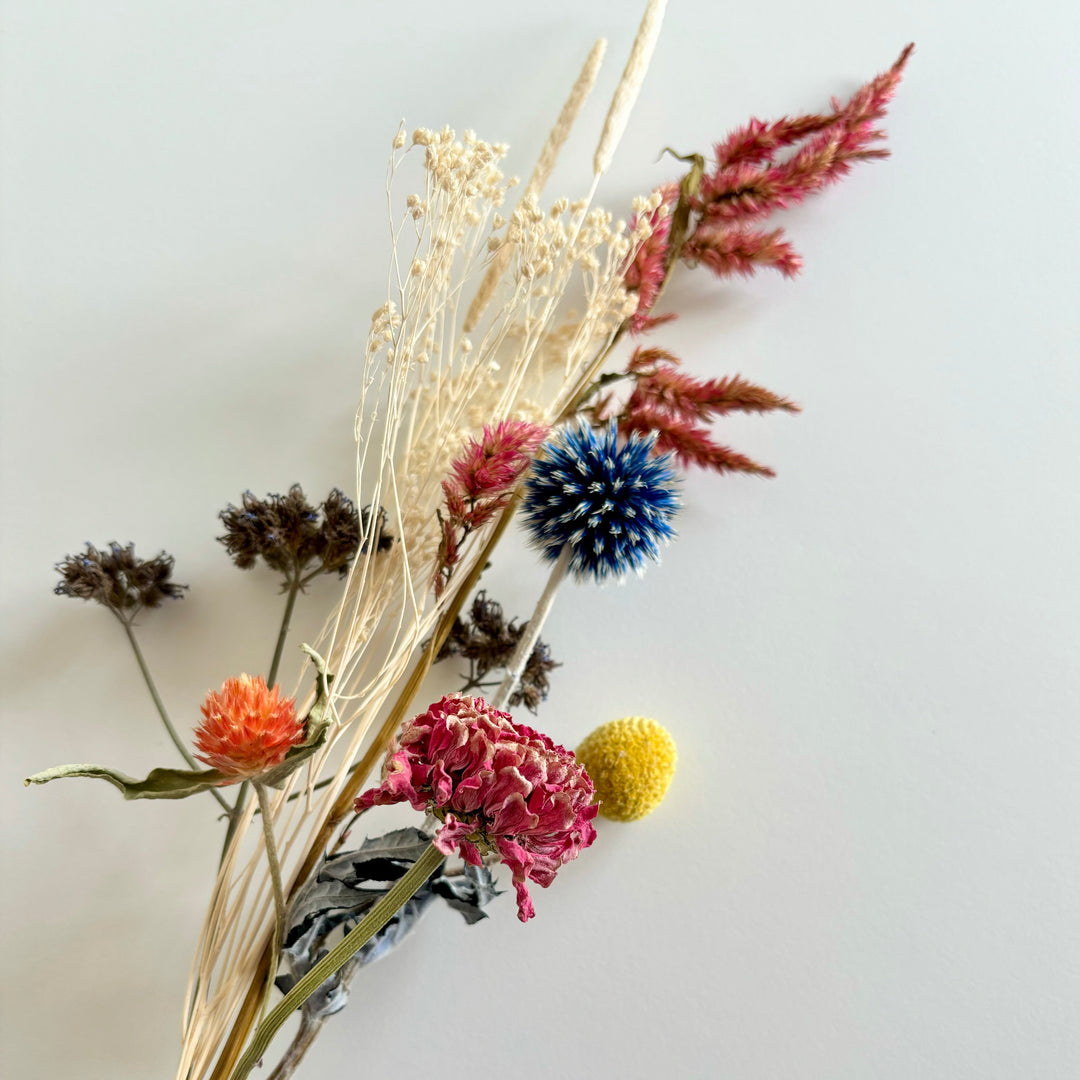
532	629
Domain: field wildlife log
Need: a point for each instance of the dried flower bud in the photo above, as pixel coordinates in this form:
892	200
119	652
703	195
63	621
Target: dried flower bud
295	538
533	685
282	530
118	578
487	641
383	540
339	534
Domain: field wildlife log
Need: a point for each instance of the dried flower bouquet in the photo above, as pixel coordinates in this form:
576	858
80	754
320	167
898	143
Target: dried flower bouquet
490	389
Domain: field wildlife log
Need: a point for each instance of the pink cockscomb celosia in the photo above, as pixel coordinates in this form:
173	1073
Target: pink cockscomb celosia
750	182
479	485
645	274
247	728
487	469
498	787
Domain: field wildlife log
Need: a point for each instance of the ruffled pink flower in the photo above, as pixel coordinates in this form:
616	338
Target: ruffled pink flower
645	275
497	786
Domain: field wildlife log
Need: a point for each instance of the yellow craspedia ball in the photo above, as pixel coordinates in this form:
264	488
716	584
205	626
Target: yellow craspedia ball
631	763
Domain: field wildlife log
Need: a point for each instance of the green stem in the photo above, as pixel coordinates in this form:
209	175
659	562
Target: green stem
272	856
160	706
283	633
368	927
236	812
275	880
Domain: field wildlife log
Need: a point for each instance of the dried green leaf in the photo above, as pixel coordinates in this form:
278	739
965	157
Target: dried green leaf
180	783
159	784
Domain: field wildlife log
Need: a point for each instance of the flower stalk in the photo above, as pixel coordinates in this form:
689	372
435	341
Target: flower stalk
283	633
237	810
272	857
162	711
368	927
533	628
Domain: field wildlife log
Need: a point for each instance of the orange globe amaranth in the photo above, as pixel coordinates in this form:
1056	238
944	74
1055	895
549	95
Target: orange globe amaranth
247	728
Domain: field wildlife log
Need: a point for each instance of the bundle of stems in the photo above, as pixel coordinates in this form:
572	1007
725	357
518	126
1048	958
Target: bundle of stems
434	372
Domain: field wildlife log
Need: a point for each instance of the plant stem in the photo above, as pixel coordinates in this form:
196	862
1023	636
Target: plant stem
245	788
368	927
532	629
587	383
283	633
245	1018
272	856
310	1026
275	881
235	814
160	706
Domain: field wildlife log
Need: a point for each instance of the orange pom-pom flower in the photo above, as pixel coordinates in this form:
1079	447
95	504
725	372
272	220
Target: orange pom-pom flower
247	728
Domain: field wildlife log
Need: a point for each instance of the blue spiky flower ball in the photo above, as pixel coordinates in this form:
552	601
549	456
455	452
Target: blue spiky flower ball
612	504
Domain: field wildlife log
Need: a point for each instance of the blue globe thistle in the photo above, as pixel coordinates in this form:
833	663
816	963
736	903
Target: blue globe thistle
612	504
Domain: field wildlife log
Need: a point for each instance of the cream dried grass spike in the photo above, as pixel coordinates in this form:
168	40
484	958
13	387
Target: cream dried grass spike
541	173
626	93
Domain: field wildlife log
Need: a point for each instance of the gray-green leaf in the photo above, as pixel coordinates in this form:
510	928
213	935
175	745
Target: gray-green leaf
180	783
159	784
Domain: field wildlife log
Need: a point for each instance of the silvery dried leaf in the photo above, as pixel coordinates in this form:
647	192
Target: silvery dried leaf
342	892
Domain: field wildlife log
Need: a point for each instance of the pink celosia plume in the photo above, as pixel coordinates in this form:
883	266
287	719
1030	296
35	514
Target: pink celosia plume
479	485
739	250
645	275
749	182
752	177
498	788
487	469
758	141
759	168
675	408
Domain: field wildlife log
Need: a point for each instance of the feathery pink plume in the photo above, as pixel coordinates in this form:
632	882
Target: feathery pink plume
493	465
748	183
739	250
479	485
690	443
645	274
672	406
687	398
758	141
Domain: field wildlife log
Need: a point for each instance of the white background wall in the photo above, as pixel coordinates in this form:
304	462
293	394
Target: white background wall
868	865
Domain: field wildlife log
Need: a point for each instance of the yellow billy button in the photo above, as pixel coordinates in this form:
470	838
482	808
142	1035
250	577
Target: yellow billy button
631	763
